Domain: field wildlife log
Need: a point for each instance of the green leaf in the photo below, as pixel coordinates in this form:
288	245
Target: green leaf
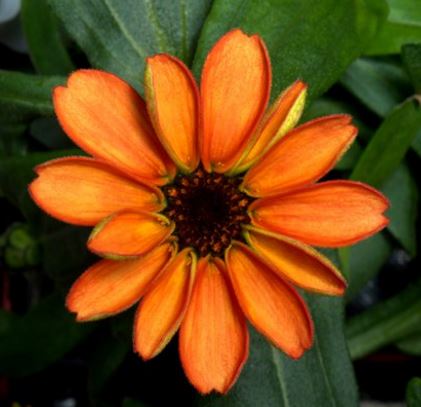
402	192
42	34
12	140
389	144
24	97
60	241
48	132
379	84
413	393
105	359
416	143
411	56
403	26
406	11
385	323
313	41
322	377
42	336
364	261
117	35
411	344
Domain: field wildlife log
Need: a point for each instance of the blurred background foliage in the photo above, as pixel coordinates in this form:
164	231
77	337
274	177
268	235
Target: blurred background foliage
361	57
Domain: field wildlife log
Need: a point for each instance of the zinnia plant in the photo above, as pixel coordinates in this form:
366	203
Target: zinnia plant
205	205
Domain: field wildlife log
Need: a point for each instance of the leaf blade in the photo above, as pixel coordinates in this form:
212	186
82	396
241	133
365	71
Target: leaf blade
46	47
385	323
118	40
389	144
33	342
310	41
324	374
24	97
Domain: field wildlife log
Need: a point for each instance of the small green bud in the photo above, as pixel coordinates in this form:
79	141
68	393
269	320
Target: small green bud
14	257
20	238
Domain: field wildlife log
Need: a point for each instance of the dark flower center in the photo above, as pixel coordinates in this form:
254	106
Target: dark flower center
208	210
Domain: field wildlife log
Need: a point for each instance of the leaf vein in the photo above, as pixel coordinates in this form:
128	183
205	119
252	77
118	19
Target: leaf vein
279	375
135	45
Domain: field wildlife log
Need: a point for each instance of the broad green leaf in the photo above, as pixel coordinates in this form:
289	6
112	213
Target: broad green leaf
104	360
403	26
322	377
380	84
12	141
385	323
48	132
407	11
313	41
413	393
402	192
389	144
118	35
45	43
326	105
364	261
110	354
392	36
411	56
411	344
42	336
350	158
60	241
24	97
416	143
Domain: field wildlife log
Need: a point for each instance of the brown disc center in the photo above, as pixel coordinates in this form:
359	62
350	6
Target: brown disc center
208	210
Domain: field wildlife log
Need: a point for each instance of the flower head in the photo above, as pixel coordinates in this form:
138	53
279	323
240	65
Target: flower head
205	204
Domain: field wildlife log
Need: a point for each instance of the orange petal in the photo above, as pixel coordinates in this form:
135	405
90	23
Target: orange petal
301	157
272	306
213	335
83	191
129	233
108	119
161	311
281	118
330	214
172	97
109	286
297	262
235	90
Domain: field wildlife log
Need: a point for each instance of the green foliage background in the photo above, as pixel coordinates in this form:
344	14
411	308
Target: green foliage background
362	57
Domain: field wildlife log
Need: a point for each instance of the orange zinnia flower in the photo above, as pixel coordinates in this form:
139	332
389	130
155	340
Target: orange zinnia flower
178	223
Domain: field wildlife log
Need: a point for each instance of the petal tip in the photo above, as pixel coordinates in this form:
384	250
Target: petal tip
79	315
227	128
146	355
172	99
298	353
302	83
57	91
